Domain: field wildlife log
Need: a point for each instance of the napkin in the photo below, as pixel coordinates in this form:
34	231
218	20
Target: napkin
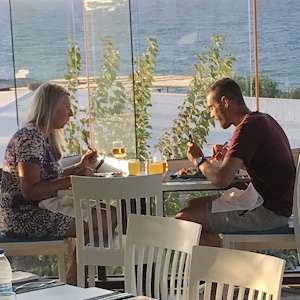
235	199
62	203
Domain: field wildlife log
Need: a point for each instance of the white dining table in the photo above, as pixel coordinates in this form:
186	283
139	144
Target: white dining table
69	292
63	292
170	185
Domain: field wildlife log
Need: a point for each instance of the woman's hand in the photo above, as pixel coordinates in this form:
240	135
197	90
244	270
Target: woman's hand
89	159
86	171
193	152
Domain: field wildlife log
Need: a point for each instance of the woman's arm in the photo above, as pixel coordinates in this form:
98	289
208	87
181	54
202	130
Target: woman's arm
35	189
72	170
86	165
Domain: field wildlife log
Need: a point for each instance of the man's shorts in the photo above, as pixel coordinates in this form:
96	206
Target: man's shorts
258	219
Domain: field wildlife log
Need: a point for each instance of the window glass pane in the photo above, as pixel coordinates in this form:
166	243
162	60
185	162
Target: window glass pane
7	91
279	45
47	35
108	43
183	30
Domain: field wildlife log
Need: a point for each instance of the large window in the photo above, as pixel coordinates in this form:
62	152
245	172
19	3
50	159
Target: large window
183	30
8	116
278	31
157	41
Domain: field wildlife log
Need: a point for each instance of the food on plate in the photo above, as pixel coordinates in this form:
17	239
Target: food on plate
187	172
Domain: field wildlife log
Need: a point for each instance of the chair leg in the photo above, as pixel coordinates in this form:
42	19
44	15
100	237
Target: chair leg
80	275
62	267
91	280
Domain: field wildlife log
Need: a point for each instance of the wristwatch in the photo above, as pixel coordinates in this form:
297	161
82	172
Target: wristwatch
199	161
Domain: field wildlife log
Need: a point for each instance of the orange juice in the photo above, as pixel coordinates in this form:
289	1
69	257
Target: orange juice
119	152
155	168
133	167
165	166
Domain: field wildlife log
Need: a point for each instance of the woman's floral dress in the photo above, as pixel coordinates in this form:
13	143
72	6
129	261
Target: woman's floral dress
21	218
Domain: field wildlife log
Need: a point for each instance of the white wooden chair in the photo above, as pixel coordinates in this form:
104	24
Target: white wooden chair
290	239
251	275
157	256
140	195
35	248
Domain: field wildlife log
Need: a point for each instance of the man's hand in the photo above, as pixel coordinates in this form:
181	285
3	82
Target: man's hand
219	152
193	152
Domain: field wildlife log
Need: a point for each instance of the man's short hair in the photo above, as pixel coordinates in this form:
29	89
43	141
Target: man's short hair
228	88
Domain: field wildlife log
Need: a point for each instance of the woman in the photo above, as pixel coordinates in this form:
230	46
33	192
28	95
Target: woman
31	170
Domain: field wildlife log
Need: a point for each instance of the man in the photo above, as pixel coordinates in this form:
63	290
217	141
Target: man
258	144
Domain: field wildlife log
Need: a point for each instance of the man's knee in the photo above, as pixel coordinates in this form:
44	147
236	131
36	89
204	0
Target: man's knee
189	214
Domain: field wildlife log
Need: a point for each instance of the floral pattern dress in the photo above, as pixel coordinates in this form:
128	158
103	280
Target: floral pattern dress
20	217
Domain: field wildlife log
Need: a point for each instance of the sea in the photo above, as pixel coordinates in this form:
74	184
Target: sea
41	30
37	35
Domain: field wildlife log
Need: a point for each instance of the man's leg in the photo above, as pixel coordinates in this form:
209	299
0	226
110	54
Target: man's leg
196	211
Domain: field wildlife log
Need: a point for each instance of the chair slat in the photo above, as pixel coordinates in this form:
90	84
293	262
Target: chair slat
150	261
173	273
133	274
109	224
241	293
268	296
251	294
90	224
120	227
230	292
158	273
219	292
148	203
180	272
99	222
140	277
260	295
186	274
165	274
138	206
207	292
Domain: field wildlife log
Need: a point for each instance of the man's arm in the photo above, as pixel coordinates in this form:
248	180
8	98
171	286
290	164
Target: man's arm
221	175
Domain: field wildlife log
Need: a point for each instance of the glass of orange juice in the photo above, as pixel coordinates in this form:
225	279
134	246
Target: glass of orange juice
134	167
155	167
165	164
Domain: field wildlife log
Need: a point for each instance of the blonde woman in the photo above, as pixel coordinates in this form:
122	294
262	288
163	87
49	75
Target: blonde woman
31	169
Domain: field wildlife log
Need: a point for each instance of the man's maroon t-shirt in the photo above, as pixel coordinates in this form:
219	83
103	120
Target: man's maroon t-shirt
264	148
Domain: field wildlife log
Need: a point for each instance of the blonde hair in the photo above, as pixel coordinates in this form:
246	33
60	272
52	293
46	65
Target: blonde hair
42	113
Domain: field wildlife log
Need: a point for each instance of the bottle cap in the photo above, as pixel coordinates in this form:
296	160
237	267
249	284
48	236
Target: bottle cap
2	251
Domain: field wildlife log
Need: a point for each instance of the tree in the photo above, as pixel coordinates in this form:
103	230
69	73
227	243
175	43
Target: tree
143	80
76	131
193	117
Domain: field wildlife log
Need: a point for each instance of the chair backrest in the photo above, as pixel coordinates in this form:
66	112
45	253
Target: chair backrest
157	256
249	274
100	199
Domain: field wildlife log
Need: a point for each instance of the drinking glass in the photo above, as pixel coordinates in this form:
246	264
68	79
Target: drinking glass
155	166
165	164
118	150
134	167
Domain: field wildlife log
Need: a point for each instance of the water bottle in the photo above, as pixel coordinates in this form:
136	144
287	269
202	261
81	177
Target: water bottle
5	274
